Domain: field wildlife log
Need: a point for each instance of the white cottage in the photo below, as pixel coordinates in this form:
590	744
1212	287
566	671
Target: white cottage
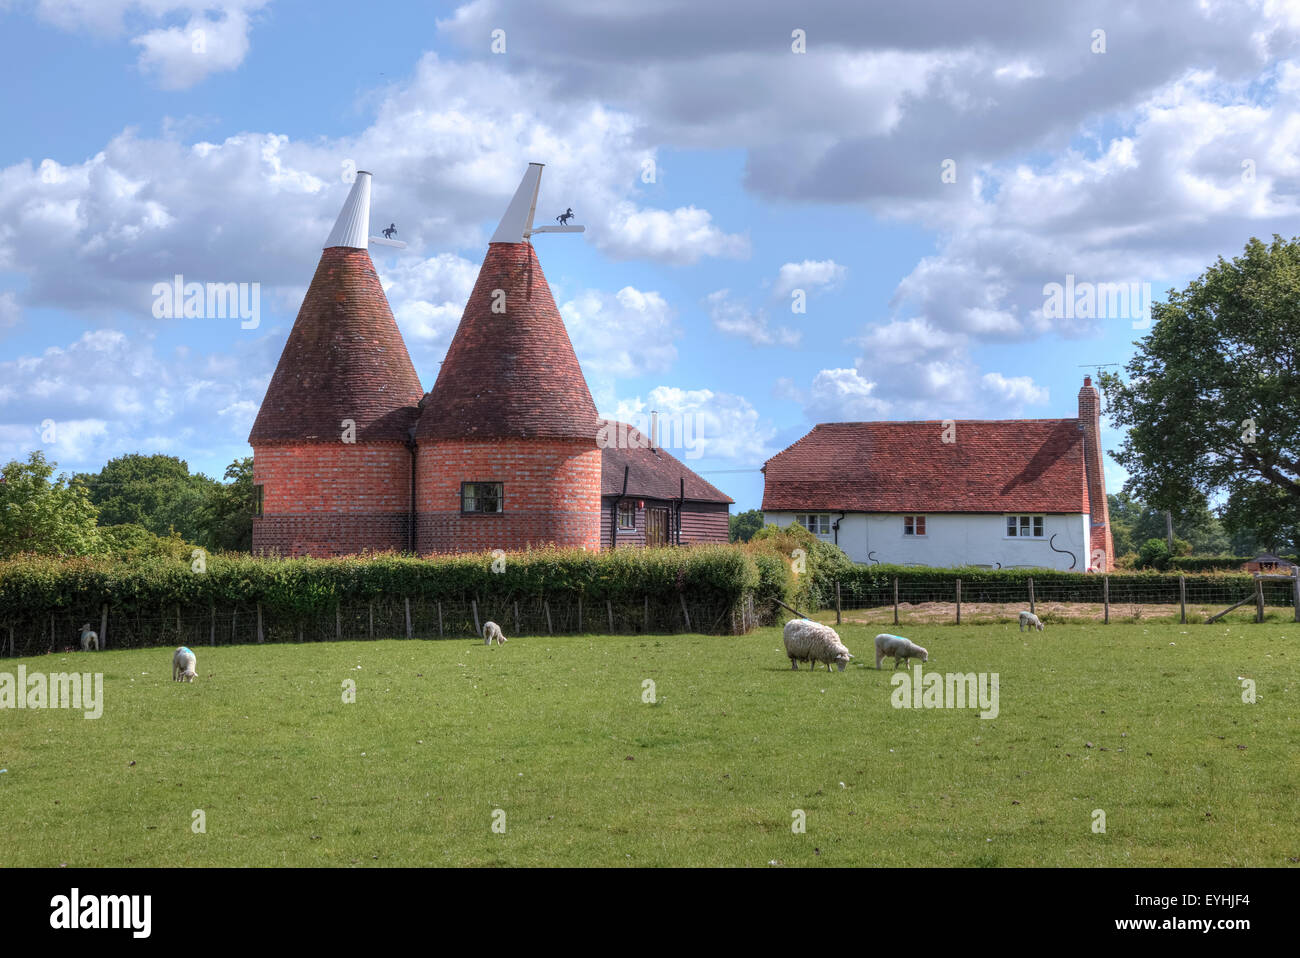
1016	493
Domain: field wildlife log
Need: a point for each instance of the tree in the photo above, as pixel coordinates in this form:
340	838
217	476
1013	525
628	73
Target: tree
44	516
1132	522
227	515
156	492
745	524
1212	399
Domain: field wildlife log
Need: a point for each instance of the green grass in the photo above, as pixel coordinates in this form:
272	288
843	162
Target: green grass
553	731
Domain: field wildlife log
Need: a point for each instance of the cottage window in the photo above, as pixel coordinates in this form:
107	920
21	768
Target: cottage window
913	525
1024	527
818	523
257	500
627	515
482	497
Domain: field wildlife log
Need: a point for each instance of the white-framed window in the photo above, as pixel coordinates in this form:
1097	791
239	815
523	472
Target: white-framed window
1024	527
818	523
913	525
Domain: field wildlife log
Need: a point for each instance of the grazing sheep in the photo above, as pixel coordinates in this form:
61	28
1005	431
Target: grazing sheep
89	638
900	648
183	663
808	641
1031	620
492	631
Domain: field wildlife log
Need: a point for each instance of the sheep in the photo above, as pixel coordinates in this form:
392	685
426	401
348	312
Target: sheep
900	648
89	638
492	631
183	663
808	641
1031	620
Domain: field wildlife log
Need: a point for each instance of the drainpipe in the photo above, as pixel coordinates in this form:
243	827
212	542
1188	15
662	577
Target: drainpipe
835	527
410	519
613	519
681	502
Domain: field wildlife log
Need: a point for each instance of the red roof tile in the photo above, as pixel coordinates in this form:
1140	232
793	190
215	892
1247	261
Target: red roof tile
652	473
344	359
1030	465
512	372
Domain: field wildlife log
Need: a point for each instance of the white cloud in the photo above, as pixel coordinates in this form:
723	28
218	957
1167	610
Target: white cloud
10	313
682	236
737	319
1016	390
808	275
179	57
629	333
708	424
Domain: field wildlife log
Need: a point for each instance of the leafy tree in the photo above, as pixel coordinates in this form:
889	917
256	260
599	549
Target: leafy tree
745	524
43	516
1212	399
129	541
227	515
1133	522
156	492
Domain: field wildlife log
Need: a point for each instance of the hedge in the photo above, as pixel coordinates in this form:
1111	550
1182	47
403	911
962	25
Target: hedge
157	600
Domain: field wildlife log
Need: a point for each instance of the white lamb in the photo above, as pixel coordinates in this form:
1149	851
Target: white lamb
89	638
900	648
808	641
183	665
492	631
1031	620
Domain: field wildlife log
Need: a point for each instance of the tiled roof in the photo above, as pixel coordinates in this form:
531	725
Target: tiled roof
652	473
1031	465
512	372
344	359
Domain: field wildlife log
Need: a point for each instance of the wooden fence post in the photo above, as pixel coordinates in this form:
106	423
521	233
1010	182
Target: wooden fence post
837	601
609	607
338	623
516	617
440	618
179	633
959	600
1182	599
212	626
895	600
1033	610
370	608
547	606
259	624
473	604
579	612
1105	596
103	626
51	631
407	601
687	614
647	612
1259	599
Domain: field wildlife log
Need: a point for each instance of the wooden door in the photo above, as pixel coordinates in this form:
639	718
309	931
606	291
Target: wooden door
656	527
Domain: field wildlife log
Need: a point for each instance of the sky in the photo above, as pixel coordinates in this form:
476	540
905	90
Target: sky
795	213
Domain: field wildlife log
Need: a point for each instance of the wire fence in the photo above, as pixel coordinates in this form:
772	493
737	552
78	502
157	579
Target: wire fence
1082	599
386	617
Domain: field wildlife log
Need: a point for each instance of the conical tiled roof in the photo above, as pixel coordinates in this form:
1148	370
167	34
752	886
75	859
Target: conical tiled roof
510	373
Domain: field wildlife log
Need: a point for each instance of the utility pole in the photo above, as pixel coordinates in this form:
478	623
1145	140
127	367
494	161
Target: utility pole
1169	531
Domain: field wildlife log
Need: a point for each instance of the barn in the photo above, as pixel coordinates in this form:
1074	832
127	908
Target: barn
1017	493
504	452
649	498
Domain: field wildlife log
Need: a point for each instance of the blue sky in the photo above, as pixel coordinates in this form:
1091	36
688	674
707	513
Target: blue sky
135	153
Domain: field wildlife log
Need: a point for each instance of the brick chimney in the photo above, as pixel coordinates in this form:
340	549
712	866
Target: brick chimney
1090	421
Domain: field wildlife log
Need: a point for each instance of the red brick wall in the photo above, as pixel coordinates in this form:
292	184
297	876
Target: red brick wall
332	498
552	494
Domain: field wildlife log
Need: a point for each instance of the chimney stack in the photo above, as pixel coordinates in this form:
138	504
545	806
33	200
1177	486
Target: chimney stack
1101	554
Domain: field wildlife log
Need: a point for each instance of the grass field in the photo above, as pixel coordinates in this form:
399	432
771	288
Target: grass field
1145	722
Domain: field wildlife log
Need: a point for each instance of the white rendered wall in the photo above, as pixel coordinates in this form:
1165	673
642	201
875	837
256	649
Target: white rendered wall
956	539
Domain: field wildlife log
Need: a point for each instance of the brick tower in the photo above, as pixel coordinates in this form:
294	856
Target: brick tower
332	450
507	436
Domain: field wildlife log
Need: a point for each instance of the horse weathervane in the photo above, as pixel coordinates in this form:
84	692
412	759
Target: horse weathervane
517	224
